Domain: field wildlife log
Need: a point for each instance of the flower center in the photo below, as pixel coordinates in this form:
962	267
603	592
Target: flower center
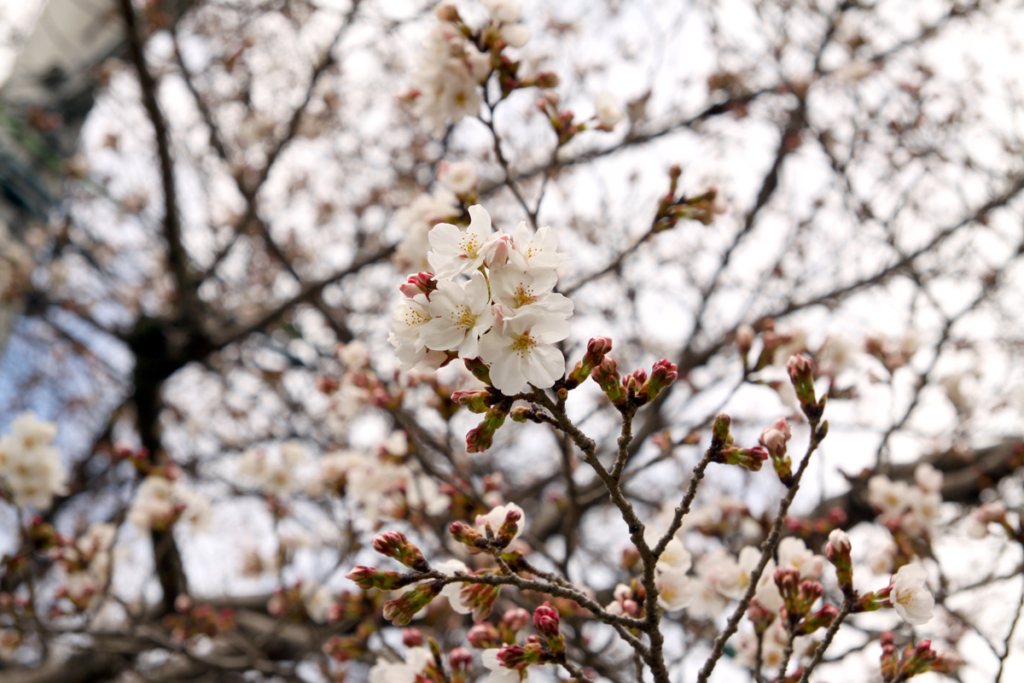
470	245
463	318
523	344
524	296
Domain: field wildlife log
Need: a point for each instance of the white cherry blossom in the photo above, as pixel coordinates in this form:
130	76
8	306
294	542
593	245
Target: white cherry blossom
608	109
910	595
674	592
536	250
461	312
453	251
521	351
517	288
794	553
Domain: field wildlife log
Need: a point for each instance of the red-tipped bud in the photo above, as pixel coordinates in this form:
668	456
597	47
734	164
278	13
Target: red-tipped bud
420	283
483	635
837	550
597	349
460	659
545	620
721	438
607	376
515	619
748	458
395	545
663	375
480	369
411	637
401	610
474	401
468	536
369	577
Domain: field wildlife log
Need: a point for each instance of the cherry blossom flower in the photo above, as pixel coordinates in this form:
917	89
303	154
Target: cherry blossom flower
407	322
461	312
794	553
29	464
928	478
674	591
453	251
536	250
517	288
608	109
891	497
910	595
460	177
521	351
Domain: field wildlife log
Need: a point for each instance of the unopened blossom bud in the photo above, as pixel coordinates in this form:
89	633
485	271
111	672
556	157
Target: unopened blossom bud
468	536
509	529
889	660
369	577
744	339
411	637
479	597
395	545
481	437
748	458
545	620
474	401
630	556
447	13
837	550
633	382
515	620
759	617
597	349
546	79
823	618
483	635
870	602
401	610
480	369
720	436
663	374
801	374
607	377
420	283
523	414
460	659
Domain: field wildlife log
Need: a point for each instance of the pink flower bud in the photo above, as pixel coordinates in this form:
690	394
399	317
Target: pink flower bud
460	659
411	637
395	545
545	620
420	283
515	619
483	635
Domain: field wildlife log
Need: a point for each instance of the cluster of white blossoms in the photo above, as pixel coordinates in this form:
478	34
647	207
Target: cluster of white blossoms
275	472
773	647
452	67
913	508
910	595
491	296
379	486
442	205
416	660
89	563
29	465
721	577
160	502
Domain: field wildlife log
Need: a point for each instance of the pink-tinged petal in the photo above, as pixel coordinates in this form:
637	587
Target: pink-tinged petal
546	365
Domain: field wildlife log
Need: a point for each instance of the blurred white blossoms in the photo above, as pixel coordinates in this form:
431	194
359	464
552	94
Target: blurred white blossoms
913	508
416	660
910	595
607	109
450	69
674	590
377	485
507	312
29	465
160	502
